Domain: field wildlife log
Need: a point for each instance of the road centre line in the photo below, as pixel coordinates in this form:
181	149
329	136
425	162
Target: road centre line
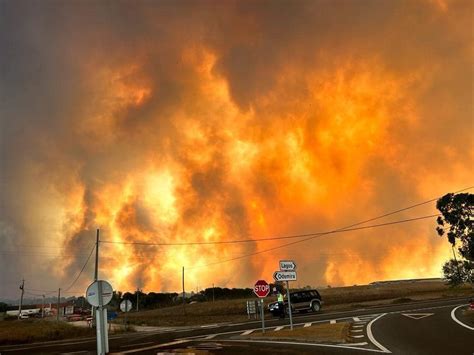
279	328
371	336
354	346
453	316
248	332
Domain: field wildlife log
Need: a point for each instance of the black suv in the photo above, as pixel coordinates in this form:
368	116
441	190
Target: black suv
306	300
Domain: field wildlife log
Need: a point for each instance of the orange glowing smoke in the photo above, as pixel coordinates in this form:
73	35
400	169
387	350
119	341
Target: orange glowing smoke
295	162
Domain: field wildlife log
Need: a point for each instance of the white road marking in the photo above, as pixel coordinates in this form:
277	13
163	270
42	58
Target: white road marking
130	345
345	346
417	316
333	321
209	326
153	347
358	326
307	325
356	319
371	336
210	336
357	336
356	330
453	316
248	332
279	328
319	321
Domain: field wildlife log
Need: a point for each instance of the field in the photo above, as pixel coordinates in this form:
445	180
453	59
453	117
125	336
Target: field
29	331
334	299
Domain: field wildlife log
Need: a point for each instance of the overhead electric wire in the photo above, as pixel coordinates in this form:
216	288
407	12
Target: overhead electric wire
80	272
72	284
273	238
319	235
348	228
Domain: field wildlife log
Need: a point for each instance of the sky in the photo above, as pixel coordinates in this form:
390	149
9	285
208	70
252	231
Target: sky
208	121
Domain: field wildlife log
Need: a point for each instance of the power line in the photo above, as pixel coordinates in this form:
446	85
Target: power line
344	229
72	284
348	228
80	272
274	238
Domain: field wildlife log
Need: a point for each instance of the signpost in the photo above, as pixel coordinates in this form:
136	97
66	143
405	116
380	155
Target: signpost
261	289
99	294
284	276
287	273
126	306
287	265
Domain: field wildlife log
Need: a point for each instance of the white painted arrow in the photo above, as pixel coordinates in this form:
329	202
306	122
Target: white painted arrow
417	316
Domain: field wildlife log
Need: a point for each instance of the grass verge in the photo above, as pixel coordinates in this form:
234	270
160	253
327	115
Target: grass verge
328	333
29	331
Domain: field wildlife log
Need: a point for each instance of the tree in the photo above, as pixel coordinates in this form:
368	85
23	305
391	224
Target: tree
458	219
458	271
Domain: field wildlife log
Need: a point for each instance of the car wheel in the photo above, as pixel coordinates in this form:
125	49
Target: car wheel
316	307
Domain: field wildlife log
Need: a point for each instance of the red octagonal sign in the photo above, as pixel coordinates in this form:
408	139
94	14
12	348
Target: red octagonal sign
261	288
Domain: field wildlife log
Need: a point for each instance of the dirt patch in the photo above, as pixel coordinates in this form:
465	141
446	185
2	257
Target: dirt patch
325	332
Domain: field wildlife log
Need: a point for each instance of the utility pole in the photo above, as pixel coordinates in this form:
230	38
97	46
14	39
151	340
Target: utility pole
96	271
59	301
96	274
22	288
138	290
184	295
42	309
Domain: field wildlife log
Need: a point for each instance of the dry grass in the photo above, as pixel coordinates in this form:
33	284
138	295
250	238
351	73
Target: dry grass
29	331
196	313
402	291
332	333
334	299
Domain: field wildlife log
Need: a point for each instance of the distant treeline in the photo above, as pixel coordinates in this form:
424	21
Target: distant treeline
153	300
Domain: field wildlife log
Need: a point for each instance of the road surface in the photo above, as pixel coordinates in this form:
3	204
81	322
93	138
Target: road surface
429	327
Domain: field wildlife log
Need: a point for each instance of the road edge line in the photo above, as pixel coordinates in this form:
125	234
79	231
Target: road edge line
150	347
371	336
453	316
346	346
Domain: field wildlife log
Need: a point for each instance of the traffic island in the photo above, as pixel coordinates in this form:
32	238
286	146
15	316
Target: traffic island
318	333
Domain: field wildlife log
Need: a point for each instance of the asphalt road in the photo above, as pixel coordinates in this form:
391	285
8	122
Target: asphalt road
412	328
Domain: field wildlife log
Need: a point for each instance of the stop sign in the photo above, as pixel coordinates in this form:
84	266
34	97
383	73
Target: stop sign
261	288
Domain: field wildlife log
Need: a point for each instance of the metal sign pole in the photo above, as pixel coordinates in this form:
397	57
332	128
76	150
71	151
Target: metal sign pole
126	314
289	304
262	316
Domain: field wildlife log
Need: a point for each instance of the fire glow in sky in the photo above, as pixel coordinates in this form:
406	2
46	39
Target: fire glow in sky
220	120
